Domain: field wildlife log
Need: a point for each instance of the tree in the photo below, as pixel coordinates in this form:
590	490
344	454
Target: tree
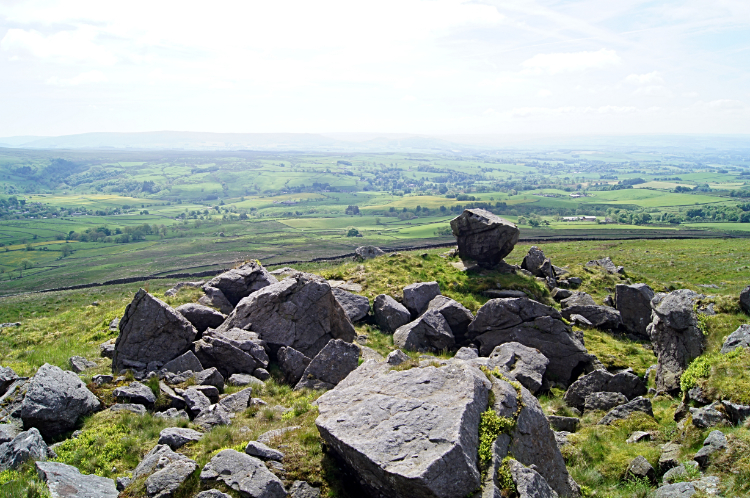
353	232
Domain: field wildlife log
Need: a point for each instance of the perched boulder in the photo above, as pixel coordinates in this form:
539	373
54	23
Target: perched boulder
78	364
214	298
604	401
634	304
329	367
456	314
601	317
136	393
356	307
639	404
533	262
239	283
534	325
202	317
483	236
738	338
220	354
624	382
376	416
150	331
639	468
292	364
367	252
26	446
417	296
55	400
745	299
578	299
675	335
243	473
300	311
186	362
429	332
715	441
260	450
527	365
389	313
66	481
177	437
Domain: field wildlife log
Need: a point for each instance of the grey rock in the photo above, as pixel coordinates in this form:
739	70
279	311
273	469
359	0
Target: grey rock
738	338
334	362
212	416
529	483
11	402
565	424
172	414
214	298
575	282
241	282
389	314
696	394
578	299
181	285
678	473
136	393
708	416
638	436
107	349
159	457
150	331
202	317
639	468
261	373
503	293
601	317
534	325
244	380
418	423
226	358
429	332
609	301
195	401
634	304
396	357
675	335
466	354
183	363
55	400
300	311
533	262
102	379
25	446
66	481
669	458
237	402
128	407
369	354
356	307
624	382
604	401
301	489
122	482
8	432
114	325
745	299
292	363
678	490
210	391
163	482
260	450
483	236
212	493
559	294
605	263
417	296
457	316
210	377
368	252
249	342
737	413
715	441
243	473
78	364
7	377
284	271
639	404
269	436
177	437
527	365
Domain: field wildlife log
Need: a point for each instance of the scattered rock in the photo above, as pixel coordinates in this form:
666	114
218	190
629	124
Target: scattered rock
639	404
429	332
226	358
578	299
210	377
639	468
292	364
184	363
634	304
738	338
369	354
715	441
457	316
180	285
565	424
670	454
78	364
389	313
212	416
55	400
214	298
243	473
244	380
122	482
396	357
102	379
163	482
260	450
24	447
708	416
202	317
678	490
237	402
624	382
604	401
534	262
212	493
8	432
128	407
638	436
177	437
241	282
559	294
527	365
66	481
300	311
367	252
136	393
503	293
529	483
150	331
601	317
356	307
172	414
301	489
417	296
483	236
329	367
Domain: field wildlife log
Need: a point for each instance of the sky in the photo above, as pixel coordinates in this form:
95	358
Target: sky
392	66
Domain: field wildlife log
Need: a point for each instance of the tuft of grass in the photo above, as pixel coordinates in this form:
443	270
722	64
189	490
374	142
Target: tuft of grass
619	352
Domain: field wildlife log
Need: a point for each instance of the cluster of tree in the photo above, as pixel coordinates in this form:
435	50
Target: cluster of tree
351	210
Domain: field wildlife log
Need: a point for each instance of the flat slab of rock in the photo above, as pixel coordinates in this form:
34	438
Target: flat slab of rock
128	407
244	380
260	450
389	314
300	311
239	283
483	236
237	402
356	307
158	457
639	404
212	416
243	473
177	437
150	331
329	367
66	481
202	317
403	430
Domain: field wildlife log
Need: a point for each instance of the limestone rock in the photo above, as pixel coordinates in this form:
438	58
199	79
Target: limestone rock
578	299
163	482
196	401
292	364
329	367
466	354
227	359
214	298
669	458
356	307
564	424
243	473
300	311
389	313
177	437
7	377
172	414
678	473
604	401
159	457
529	483
634	304
241	282
55	400
708	416
184	363
25	446
527	365
745	299
212	493
601	317
237	402
715	441
417	296
136	393
738	338
66	481
639	404
396	357
483	236
624	382
301	489
128	407
8	432
210	377
244	380
150	331
606	264
78	364
638	436
107	349
368	252
457	316
429	332
639	468
202	317
212	416
260	450
247	341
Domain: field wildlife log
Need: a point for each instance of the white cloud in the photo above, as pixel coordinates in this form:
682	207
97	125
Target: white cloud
408	98
63	46
94	76
544	93
570	61
690	94
652	78
652	91
727	105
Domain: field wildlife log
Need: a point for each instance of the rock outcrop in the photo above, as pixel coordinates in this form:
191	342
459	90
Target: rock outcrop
226	358
239	283
634	304
389	313
292	364
738	338
367	252
639	404
483	236
214	298
24	447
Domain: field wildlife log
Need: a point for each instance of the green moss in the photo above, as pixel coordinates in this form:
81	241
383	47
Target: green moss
722	376
491	426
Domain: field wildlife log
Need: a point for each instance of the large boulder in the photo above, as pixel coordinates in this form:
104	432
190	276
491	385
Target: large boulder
578	299
55	400
408	433
222	355
625	382
634	304
417	296
243	473
239	283
214	298
526	365
675	335
738	338
292	364
601	317
389	313
329	367
202	317
300	311
150	331
429	332
26	446
367	252
483	236
715	442
356	307
66	481
456	314
534	325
